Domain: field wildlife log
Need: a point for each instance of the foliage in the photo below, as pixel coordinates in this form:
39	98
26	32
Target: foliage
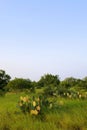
2	92
82	83
4	79
50	90
34	106
73	82
69	115
19	83
48	79
69	82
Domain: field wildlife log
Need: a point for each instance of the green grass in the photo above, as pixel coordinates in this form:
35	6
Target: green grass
68	115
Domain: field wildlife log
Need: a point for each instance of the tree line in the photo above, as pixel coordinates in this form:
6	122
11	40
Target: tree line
51	84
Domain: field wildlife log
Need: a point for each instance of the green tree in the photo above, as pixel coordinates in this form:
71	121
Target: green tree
19	83
69	82
48	79
85	79
4	79
82	83
50	84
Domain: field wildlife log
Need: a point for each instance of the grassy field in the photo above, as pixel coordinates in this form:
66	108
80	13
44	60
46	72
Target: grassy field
71	114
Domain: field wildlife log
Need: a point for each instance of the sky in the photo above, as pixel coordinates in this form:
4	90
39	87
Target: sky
43	36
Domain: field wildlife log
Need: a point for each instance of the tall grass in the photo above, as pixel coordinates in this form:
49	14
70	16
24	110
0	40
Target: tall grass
68	115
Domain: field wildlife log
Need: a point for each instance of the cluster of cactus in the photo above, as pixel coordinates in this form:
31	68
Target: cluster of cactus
34	106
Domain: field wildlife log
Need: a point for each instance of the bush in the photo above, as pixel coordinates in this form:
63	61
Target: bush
19	83
50	90
2	92
34	106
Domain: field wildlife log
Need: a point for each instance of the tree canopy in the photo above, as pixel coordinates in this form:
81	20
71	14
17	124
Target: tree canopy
4	79
19	83
48	79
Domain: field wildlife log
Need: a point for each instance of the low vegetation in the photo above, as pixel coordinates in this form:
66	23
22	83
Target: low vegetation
48	104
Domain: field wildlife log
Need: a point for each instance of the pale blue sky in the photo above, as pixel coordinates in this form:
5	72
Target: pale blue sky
43	36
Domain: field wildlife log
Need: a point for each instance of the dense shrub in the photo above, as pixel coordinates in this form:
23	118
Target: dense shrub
19	83
34	106
2	92
48	79
50	90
